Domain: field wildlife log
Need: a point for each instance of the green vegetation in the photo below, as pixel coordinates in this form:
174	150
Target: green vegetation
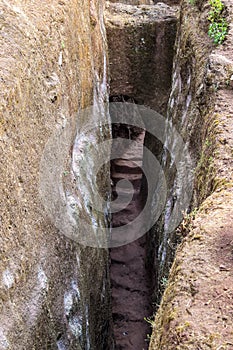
192	2
164	282
218	24
187	224
150	320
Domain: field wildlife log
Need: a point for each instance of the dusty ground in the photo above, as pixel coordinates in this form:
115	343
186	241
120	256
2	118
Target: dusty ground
197	310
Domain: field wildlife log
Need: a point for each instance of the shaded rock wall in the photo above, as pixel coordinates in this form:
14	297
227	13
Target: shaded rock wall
54	292
196	310
187	111
141	67
140	40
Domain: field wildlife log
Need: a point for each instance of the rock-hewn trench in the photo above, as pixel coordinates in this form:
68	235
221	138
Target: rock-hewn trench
55	291
141	72
140	66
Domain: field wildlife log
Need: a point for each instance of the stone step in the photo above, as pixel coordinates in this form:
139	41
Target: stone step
125	197
127	214
119	220
126	169
119	206
136	184
125	163
125	176
125	194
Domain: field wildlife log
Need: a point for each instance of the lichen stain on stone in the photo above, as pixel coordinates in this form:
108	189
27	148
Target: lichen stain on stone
8	279
4	344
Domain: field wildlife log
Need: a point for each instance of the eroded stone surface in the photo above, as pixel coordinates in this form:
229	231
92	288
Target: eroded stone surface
196	309
53	292
140	40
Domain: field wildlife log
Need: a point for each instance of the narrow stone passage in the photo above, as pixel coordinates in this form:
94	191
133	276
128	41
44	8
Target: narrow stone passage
131	300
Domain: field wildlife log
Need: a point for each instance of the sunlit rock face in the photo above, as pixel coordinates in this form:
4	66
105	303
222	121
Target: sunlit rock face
54	292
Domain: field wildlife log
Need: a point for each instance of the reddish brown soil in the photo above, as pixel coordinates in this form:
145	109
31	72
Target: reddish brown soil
131	300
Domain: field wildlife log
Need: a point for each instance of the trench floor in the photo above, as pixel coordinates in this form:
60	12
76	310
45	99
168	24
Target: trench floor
130	282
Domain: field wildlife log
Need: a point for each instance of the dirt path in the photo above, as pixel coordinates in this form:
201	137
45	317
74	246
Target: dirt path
130	283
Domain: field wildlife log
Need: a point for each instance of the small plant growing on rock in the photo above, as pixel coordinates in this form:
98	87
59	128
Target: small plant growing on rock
150	320
218	24
187	224
164	282
192	2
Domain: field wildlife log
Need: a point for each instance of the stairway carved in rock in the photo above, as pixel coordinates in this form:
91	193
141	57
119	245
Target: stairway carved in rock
129	278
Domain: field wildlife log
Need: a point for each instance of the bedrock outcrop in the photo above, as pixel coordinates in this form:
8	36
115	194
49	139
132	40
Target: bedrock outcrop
54	293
